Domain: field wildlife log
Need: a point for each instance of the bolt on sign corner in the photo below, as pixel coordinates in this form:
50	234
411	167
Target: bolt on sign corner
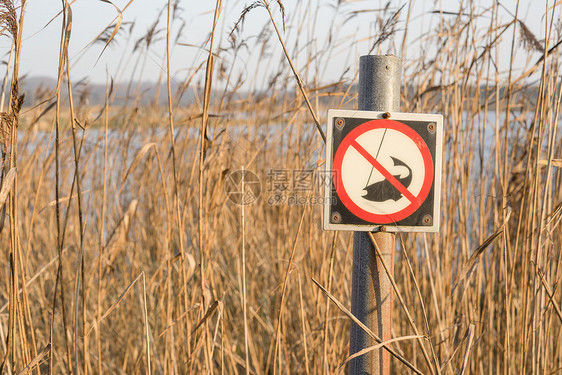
386	171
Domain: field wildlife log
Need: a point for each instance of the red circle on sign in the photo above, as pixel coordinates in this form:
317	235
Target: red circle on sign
348	142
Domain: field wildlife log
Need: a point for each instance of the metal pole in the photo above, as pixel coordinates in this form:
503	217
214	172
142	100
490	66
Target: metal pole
371	291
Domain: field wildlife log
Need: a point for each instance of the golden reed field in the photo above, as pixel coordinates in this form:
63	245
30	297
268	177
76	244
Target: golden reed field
123	250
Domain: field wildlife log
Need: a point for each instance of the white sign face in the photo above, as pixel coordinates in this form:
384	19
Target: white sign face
383	171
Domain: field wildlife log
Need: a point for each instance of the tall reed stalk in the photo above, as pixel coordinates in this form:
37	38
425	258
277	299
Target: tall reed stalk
127	203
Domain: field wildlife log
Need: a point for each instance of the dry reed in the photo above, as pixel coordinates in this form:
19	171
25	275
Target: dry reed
109	195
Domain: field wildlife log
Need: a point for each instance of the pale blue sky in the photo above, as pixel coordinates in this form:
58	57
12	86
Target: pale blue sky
41	41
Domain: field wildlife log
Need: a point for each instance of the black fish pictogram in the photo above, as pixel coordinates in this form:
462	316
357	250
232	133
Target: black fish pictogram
383	190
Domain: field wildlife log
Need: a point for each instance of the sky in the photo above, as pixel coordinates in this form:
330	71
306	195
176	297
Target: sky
91	17
42	29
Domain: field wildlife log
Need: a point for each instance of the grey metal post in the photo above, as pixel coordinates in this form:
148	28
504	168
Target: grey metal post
371	291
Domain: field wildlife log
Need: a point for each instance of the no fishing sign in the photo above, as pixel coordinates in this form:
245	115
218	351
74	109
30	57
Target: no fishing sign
385	171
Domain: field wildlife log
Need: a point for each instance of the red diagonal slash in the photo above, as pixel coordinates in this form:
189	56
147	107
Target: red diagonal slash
386	174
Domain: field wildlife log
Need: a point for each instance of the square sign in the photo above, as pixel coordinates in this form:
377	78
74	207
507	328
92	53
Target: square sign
385	169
